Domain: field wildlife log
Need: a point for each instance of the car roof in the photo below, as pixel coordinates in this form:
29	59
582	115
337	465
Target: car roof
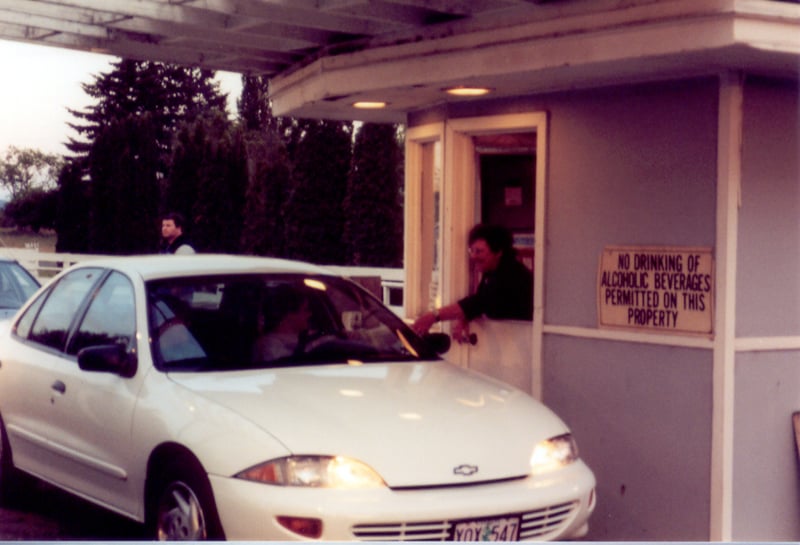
151	267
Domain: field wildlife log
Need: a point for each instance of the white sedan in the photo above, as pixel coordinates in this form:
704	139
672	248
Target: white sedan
223	397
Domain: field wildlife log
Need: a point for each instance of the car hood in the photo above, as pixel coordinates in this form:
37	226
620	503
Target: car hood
416	424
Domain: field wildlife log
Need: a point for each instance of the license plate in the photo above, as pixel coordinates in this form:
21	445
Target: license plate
499	529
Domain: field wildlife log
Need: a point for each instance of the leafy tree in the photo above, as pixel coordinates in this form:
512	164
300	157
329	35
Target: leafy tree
35	210
373	227
313	212
23	170
124	164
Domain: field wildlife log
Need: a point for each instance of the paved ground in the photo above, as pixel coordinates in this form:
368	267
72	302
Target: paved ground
44	513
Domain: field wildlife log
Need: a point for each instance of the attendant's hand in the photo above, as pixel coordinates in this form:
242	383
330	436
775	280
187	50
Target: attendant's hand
461	331
424	322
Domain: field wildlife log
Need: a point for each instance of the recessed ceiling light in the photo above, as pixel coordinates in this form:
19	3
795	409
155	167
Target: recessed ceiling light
369	105
464	91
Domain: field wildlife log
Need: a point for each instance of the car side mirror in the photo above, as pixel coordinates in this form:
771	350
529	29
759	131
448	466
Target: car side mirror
438	342
107	358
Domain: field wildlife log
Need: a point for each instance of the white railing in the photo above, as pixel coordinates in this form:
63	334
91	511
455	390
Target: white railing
44	266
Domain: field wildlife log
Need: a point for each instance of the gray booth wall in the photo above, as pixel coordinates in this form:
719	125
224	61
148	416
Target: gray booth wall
766	477
631	166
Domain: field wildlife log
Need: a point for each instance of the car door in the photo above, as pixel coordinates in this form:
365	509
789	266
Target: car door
75	432
32	387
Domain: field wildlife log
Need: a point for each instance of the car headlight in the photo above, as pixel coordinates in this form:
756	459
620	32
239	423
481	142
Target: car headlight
553	453
316	472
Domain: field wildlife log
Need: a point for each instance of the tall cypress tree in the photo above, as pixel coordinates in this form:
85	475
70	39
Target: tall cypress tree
269	175
268	171
313	212
72	209
124	164
373	228
216	214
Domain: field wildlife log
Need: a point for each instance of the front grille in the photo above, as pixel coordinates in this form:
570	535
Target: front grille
403	531
548	521
541	524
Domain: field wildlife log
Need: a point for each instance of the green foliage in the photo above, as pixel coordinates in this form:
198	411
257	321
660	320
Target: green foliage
269	172
313	212
35	210
170	94
373	205
221	183
254	111
26	170
72	210
125	149
158	139
124	162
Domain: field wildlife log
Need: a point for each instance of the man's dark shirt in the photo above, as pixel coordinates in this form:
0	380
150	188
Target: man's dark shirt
505	293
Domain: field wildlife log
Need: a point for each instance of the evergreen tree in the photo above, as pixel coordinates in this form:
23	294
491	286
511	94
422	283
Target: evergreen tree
269	176
216	213
72	210
180	188
124	164
314	214
172	95
268	171
373	228
145	96
253	105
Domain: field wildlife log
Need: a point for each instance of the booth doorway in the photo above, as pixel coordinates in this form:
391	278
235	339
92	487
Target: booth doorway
461	171
506	167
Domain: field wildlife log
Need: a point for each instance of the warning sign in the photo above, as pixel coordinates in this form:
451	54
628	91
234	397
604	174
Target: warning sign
664	289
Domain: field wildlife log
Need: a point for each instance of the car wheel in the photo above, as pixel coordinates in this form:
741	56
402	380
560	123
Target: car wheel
183	508
11	479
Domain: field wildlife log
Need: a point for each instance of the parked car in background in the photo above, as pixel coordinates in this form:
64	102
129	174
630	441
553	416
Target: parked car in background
223	397
16	286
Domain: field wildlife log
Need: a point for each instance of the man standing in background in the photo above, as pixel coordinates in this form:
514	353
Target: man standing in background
173	240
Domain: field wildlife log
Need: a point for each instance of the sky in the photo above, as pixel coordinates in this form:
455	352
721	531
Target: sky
40	83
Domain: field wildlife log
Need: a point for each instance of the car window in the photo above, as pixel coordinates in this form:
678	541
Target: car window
110	318
268	320
51	324
16	285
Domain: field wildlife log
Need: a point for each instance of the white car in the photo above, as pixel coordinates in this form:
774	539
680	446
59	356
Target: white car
224	397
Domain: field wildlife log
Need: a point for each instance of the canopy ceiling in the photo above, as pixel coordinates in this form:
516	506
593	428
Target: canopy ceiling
262	37
323	55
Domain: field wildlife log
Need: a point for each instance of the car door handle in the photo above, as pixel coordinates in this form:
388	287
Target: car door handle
59	387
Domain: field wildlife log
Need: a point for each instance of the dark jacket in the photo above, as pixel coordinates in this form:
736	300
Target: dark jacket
171	248
505	293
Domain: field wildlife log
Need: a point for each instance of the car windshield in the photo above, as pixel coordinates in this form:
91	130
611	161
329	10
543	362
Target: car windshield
251	321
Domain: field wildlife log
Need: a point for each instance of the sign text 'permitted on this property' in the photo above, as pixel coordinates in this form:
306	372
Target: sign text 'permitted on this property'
661	289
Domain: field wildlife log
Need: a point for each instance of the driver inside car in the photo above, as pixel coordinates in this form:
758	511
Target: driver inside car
285	319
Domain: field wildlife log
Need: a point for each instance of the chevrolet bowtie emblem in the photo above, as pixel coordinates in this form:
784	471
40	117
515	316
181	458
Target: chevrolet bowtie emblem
465	470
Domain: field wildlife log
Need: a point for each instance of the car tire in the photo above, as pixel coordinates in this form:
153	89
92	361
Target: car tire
12	480
183	507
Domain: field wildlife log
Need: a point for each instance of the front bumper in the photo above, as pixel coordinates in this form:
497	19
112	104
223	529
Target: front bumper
555	506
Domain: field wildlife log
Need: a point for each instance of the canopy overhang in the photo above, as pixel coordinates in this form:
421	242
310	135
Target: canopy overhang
322	56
